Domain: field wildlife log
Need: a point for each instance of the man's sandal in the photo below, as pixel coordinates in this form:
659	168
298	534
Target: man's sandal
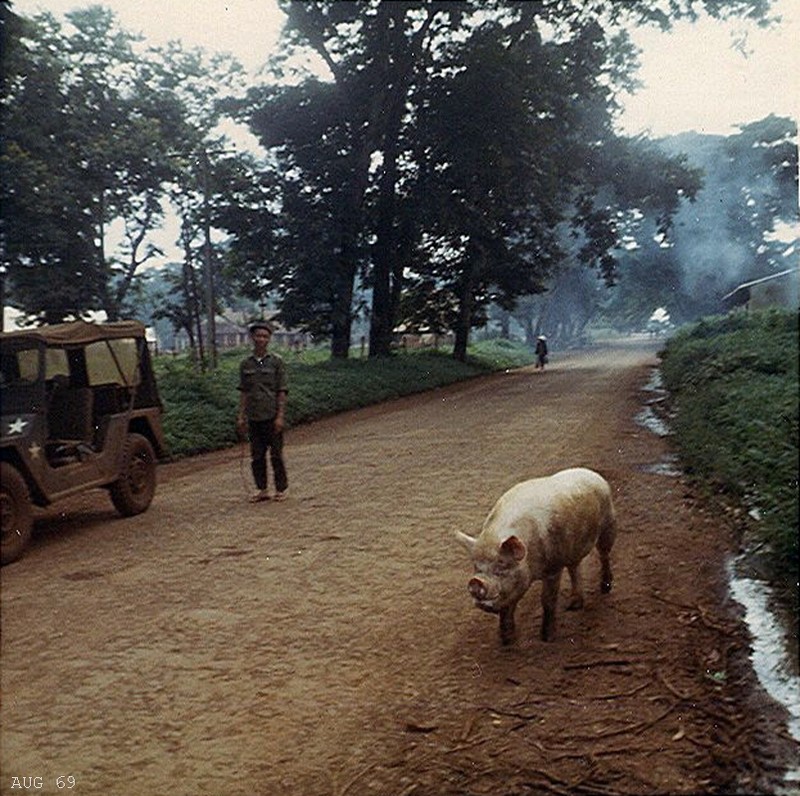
259	497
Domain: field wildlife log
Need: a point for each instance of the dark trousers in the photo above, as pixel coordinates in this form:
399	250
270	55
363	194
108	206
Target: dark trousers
263	438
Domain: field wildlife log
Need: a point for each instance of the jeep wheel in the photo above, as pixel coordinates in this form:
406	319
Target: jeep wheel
16	512
134	490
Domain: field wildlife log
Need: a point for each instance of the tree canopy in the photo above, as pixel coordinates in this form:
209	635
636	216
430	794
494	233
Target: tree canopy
97	131
439	159
744	225
444	153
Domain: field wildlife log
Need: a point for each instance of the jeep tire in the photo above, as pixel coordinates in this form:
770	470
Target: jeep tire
133	492
16	512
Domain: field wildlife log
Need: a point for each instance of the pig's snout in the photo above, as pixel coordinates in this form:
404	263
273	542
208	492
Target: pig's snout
477	588
484	596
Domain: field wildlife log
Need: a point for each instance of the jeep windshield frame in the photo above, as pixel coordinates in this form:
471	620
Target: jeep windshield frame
113	353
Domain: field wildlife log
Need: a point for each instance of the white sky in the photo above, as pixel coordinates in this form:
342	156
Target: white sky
694	79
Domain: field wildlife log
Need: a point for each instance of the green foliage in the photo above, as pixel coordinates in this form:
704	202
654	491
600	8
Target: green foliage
721	239
441	162
201	407
98	130
734	382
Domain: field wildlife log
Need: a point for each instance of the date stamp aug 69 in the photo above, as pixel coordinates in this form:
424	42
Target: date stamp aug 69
61	782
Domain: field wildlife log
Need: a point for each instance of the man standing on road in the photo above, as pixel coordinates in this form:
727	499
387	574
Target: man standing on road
541	353
262	384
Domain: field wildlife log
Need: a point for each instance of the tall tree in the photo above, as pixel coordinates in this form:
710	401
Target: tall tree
329	136
762	161
504	182
727	236
47	222
351	148
94	123
361	114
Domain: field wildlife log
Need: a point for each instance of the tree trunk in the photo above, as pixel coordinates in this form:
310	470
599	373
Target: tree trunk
342	312
352	222
461	342
193	310
387	266
382	320
475	256
110	307
505	325
543	317
530	337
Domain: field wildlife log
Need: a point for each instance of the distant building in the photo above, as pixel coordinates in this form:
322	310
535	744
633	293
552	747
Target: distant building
232	332
777	290
422	338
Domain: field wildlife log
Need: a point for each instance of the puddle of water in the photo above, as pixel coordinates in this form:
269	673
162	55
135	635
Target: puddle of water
668	467
648	417
652	422
656	383
771	657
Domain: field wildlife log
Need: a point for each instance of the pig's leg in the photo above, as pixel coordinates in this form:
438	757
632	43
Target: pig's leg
604	544
508	629
550	585
576	597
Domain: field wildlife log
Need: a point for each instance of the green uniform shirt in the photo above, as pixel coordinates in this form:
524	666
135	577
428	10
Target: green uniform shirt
261	380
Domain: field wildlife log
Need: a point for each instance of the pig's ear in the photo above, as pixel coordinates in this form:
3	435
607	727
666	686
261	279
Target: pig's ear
514	547
467	541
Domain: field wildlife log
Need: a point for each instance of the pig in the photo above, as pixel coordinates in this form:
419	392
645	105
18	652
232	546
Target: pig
535	529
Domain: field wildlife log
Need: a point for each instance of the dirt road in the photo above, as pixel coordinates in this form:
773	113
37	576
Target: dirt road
327	645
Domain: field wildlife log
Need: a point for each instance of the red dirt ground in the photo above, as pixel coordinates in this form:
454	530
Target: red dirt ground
327	645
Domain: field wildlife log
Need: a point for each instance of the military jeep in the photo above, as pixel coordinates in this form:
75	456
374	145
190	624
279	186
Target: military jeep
80	410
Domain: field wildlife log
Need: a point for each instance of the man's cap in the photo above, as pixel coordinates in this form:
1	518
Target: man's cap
260	325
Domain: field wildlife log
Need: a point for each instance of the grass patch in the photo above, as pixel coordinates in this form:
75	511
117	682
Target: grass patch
733	382
201	408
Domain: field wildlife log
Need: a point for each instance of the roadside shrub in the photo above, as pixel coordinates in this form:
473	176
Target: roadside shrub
201	407
733	383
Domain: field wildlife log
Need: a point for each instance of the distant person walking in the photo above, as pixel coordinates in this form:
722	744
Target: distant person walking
262	384
541	353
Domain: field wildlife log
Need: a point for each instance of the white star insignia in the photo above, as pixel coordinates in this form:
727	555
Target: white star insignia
34	451
17	426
